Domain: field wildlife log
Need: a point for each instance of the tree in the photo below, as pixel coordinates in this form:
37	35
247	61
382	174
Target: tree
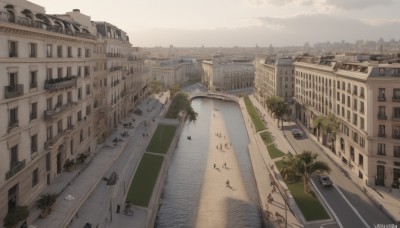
16	215
277	107
329	125
155	86
304	165
179	103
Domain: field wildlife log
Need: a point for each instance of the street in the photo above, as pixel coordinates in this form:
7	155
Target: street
358	209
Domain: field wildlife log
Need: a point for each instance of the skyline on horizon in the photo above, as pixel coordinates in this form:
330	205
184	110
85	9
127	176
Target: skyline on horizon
244	23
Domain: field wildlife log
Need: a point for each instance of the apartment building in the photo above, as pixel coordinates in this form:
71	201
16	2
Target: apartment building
365	97
172	71
58	84
225	74
274	77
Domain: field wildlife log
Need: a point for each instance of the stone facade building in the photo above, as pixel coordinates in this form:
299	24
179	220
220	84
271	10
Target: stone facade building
225	74
61	93
274	77
365	97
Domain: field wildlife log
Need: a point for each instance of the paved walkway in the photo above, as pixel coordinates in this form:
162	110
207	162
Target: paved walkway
217	196
80	184
264	175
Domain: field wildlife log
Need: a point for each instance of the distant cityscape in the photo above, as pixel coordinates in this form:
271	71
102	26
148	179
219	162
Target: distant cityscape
68	83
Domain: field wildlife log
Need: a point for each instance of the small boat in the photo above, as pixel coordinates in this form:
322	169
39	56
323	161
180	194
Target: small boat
189	137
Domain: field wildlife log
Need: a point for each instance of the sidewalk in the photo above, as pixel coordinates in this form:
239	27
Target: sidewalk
264	175
79	185
387	199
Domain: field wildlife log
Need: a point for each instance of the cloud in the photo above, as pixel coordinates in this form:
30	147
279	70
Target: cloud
358	4
338	4
284	31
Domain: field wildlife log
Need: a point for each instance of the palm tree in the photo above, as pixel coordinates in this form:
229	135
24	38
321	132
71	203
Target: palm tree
329	125
304	165
278	107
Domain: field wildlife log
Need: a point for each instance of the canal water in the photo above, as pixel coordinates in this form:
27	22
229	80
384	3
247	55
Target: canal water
182	190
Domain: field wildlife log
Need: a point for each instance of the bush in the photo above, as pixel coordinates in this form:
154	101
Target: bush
15	216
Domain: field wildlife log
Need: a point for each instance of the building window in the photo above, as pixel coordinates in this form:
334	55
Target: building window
87	52
79	52
362	92
59	72
396	112
87	71
79	71
49	133
362	123
49	51
396	94
59	126
69	50
381	96
33	79
13	81
355	117
49	73
381	131
396	132
34	141
381	149
59	100
87	89
79	116
32	50
48	164
396	151
362	142
382	113
13	121
49	103
69	122
59	51
12	49
79	93
362	107
69	71
81	136
35	177
33	115
13	156
69	97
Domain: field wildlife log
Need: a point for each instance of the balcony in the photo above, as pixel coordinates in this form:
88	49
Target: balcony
50	114
382	116
381	153
15	169
381	134
50	142
116	82
115	68
14	91
13	125
381	98
396	99
396	118
60	83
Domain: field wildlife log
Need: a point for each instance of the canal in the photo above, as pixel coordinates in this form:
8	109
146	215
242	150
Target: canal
181	195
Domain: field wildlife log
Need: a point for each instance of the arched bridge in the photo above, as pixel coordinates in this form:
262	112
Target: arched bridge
220	96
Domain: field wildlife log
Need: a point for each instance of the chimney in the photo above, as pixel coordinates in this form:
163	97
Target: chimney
76	10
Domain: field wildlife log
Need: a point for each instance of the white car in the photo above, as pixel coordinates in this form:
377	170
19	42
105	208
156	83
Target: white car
325	180
296	132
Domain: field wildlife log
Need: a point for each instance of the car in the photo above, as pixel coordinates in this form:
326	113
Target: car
325	180
296	132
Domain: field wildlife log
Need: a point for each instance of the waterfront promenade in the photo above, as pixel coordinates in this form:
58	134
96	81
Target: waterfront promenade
219	199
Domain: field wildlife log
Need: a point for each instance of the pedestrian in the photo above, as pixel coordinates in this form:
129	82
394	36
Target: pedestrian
227	183
215	166
274	188
225	165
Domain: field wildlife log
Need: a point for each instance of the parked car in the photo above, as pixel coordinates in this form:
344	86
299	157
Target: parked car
325	180
296	132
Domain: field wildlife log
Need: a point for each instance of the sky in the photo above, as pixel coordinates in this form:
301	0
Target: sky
247	23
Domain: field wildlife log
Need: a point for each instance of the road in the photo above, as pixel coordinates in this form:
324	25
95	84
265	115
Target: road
352	207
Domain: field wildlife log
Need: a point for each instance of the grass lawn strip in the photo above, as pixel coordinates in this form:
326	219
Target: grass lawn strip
274	152
257	122
161	139
308	203
266	137
143	182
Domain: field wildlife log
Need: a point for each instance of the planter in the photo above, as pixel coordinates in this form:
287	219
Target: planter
46	202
